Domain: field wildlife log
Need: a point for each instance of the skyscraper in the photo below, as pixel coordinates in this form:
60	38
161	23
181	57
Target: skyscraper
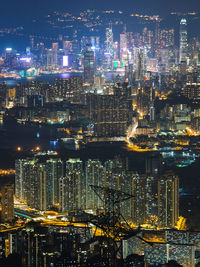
89	65
109	49
183	41
123	49
26	181
69	88
111	114
168	200
109	41
116	51
6	202
20	180
94	176
54	170
42	187
37	183
52	56
140	63
71	191
118	178
71	187
123	44
142	202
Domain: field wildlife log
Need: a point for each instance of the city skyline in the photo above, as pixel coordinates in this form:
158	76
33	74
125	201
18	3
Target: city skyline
152	6
99	133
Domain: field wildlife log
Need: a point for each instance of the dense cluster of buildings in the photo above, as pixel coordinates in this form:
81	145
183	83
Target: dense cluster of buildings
157	88
67	187
151	100
47	184
68	245
154	49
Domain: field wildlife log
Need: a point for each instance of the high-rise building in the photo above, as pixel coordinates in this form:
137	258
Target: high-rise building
123	45
95	42
145	98
69	88
20	180
168	200
52	56
74	164
26	180
191	90
152	113
142	201
61	87
89	66
32	184
111	114
94	176
54	170
129	73
36	183
71	191
42	186
164	60
6	202
67	47
140	63
157	34
166	38
109	41
183	41
35	101
72	187
49	173
116	51
118	178
84	42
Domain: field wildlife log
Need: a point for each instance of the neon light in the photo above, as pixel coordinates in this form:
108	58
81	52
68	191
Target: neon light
26	59
65	61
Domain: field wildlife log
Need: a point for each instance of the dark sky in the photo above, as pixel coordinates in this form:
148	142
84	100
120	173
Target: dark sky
12	10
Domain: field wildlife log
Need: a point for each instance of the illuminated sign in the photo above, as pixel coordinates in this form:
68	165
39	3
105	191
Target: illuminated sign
26	59
9	49
65	61
115	64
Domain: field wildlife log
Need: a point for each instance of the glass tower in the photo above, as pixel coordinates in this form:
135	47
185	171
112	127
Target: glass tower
183	41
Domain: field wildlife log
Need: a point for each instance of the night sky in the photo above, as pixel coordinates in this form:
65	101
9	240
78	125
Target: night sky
21	10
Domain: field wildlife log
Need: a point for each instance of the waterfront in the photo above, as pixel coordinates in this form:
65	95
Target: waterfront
11	82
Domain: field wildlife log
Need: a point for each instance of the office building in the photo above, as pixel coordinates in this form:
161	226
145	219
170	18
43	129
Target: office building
140	63
89	66
109	41
183	41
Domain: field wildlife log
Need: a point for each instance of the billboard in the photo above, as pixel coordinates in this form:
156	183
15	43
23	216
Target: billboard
65	61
